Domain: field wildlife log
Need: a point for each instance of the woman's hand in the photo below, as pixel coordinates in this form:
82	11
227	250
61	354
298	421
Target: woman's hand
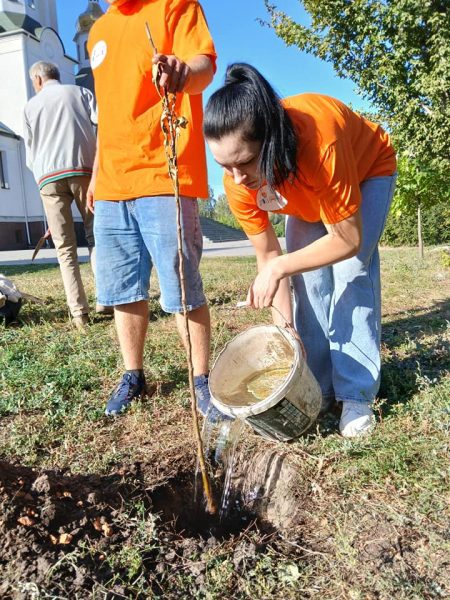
265	285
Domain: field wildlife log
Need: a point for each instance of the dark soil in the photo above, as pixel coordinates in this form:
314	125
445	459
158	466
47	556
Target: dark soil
45	516
59	531
77	537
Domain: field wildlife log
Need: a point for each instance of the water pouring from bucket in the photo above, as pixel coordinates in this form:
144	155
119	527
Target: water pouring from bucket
261	376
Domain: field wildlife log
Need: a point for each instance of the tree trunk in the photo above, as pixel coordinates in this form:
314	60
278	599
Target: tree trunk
419	231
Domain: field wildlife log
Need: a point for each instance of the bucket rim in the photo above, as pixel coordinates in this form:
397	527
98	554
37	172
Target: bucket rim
242	412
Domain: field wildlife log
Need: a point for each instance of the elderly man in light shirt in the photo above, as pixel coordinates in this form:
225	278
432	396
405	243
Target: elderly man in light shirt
60	143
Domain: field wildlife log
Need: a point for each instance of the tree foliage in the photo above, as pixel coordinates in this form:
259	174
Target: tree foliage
206	206
423	190
223	214
398	54
401	227
421	185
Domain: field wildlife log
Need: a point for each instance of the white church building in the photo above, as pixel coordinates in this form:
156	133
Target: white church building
28	33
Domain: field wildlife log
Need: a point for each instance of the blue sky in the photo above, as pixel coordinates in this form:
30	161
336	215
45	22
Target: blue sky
239	37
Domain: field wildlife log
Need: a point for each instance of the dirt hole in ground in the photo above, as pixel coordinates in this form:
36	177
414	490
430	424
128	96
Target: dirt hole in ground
181	507
265	489
67	531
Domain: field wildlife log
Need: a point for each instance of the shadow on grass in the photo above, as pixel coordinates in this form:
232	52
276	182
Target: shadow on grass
12	270
57	313
415	349
37	314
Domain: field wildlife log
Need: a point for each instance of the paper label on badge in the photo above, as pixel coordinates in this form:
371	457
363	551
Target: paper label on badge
99	52
269	199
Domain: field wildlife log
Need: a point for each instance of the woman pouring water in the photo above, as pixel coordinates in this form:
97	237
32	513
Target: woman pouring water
333	172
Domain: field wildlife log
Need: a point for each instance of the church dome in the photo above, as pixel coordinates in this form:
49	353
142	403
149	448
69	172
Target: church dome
89	16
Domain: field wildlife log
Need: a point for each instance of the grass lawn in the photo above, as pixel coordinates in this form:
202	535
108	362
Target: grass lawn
372	515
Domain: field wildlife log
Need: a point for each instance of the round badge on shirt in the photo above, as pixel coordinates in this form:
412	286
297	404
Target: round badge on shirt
269	199
98	54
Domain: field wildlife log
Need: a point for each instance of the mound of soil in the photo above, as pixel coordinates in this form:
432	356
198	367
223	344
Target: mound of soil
59	531
46	515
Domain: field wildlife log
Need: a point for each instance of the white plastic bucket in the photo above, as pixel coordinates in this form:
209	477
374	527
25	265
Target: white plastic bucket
292	406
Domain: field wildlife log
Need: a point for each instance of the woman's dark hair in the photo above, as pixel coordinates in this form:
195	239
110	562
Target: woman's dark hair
247	103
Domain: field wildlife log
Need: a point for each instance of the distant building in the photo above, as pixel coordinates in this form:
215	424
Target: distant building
85	21
28	33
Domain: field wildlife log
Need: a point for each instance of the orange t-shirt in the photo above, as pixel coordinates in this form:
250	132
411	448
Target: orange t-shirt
132	161
337	150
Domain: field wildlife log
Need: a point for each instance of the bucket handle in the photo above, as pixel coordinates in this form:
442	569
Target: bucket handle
287	325
291	330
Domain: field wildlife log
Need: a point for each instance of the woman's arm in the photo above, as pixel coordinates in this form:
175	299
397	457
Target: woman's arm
268	249
342	241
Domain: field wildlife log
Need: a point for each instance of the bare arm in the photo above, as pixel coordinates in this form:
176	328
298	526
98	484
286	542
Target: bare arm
190	77
268	249
91	188
342	241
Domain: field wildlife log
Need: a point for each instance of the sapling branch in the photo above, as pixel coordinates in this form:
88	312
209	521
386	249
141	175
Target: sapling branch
171	126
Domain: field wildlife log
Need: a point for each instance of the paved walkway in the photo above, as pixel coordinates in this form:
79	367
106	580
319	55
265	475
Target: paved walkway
48	256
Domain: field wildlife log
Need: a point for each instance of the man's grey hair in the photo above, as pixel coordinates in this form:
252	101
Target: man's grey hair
45	70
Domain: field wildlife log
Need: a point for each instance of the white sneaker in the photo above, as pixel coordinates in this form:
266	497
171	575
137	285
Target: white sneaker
357	419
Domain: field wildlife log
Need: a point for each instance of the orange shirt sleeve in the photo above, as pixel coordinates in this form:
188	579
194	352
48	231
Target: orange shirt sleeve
337	182
191	35
243	205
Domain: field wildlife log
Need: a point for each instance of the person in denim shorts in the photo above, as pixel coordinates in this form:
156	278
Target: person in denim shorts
333	173
135	209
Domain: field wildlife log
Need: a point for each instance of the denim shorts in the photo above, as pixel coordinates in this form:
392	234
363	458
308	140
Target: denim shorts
132	236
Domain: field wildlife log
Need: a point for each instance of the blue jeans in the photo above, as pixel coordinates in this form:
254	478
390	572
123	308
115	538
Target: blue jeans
338	308
132	236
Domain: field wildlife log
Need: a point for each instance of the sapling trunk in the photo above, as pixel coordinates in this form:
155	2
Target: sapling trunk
171	125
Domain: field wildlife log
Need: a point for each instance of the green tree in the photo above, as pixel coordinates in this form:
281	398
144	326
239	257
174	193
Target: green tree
421	186
223	214
206	207
279	224
401	227
398	54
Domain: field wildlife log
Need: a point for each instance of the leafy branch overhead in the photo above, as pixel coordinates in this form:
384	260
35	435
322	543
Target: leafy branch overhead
398	54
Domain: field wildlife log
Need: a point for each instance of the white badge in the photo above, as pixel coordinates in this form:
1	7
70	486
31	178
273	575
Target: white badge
98	54
269	199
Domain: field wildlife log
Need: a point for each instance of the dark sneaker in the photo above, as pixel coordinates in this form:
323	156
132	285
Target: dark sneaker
204	403
131	387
